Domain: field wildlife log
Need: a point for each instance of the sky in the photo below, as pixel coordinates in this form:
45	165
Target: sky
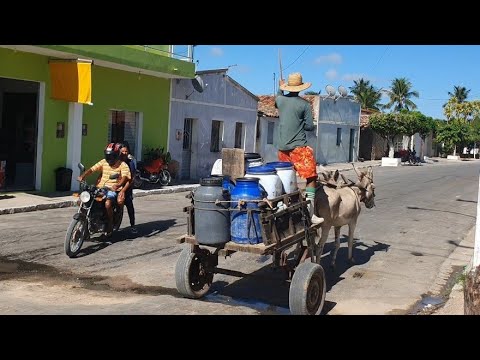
433	70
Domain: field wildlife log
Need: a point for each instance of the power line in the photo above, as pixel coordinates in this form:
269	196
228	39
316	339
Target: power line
380	58
303	52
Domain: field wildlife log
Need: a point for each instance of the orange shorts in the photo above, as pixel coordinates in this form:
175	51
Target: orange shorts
302	159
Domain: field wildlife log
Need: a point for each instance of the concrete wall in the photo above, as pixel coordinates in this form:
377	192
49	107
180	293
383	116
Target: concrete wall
221	100
343	114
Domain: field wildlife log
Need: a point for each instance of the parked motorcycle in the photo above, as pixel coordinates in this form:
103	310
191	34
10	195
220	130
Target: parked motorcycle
153	172
410	157
91	217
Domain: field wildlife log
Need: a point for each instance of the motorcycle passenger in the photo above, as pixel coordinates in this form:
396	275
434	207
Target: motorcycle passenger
109	165
127	190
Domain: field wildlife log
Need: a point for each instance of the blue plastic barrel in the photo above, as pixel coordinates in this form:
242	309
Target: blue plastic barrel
245	229
227	183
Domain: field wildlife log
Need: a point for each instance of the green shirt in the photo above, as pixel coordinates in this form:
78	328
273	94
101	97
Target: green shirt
295	118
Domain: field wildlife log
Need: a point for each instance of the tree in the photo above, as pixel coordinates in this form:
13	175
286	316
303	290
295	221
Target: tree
367	95
310	92
460	93
387	126
466	110
453	133
400	94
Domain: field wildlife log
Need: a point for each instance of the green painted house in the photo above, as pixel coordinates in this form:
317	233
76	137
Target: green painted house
128	88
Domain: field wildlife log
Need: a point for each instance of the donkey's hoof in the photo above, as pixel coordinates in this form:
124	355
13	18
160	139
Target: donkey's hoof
352	261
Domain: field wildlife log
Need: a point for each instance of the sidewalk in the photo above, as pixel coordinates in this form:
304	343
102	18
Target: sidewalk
15	202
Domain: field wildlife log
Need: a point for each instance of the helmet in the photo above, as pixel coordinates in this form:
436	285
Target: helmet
112	153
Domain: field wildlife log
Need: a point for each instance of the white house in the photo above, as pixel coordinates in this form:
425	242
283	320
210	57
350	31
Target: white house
223	115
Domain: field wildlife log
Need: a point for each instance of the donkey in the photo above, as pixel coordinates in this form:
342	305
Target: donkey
340	206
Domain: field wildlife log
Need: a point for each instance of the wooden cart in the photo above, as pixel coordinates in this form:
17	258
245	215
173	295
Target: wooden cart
283	226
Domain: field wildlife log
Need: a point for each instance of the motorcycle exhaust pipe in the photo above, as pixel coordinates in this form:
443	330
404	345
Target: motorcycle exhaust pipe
148	180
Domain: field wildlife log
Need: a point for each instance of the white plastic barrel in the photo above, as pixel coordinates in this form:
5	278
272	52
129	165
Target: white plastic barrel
268	179
287	175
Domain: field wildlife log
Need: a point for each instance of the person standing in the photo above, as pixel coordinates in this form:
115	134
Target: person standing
126	157
295	119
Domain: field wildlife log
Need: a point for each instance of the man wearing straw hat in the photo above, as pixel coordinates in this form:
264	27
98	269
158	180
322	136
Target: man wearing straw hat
295	118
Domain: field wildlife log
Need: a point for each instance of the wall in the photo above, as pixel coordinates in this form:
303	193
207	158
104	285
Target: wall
204	114
120	90
267	151
210	105
344	114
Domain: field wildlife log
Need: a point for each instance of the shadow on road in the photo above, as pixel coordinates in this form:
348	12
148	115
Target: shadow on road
267	289
361	253
145	230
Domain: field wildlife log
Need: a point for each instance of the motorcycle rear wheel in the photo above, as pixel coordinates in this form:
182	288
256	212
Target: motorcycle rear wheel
76	234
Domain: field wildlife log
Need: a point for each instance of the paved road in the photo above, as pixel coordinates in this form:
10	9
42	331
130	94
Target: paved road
422	213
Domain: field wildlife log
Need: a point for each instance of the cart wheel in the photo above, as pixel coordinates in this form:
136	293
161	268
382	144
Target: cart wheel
307	289
191	276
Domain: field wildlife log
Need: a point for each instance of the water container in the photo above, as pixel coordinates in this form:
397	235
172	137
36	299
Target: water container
268	179
212	222
246	229
227	182
287	174
252	160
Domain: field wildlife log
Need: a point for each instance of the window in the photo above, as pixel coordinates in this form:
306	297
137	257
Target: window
238	135
216	136
339	136
271	126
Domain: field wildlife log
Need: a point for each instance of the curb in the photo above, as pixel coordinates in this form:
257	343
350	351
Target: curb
70	203
29	208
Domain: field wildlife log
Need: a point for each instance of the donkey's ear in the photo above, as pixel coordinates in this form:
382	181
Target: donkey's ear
336	174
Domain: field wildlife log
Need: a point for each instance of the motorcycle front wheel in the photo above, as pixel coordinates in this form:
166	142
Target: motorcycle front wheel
76	233
165	177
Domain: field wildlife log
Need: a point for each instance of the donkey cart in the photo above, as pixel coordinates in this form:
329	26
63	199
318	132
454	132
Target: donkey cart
284	223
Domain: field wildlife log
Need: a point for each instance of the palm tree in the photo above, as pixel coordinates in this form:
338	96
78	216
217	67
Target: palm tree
400	94
459	92
366	94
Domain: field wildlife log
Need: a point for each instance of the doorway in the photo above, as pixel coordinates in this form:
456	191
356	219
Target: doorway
18	132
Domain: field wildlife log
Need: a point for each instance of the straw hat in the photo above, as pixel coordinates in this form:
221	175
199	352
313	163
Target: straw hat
295	83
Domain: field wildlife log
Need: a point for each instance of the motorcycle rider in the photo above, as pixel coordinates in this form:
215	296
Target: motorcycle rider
109	165
127	191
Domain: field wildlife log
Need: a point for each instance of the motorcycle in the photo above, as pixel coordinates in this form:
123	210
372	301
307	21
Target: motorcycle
91	217
410	157
154	172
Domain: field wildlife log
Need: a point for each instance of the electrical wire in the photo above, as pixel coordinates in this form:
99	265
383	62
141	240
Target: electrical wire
299	56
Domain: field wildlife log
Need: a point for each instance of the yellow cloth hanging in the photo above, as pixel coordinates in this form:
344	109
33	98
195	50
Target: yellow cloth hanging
71	80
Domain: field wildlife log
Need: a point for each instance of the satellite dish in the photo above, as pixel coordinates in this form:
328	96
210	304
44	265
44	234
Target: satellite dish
330	90
342	91
197	83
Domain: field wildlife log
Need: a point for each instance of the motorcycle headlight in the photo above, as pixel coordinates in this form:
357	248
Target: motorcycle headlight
85	196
